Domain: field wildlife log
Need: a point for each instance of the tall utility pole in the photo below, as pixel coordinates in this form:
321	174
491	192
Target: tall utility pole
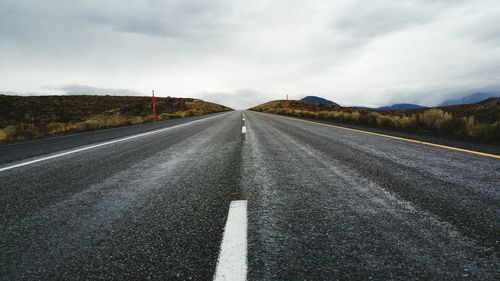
154	106
286	104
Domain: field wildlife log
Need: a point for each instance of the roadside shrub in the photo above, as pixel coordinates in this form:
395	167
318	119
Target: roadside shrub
280	111
100	122
493	131
195	112
163	116
178	114
56	127
92	124
386	121
295	112
80	126
323	114
138	119
404	121
469	126
483	130
355	116
431	119
8	133
436	119
344	116
327	114
334	115
3	135
372	117
309	114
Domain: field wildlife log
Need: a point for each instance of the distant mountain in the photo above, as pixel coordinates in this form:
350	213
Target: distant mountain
401	106
318	100
474	98
361	107
397	106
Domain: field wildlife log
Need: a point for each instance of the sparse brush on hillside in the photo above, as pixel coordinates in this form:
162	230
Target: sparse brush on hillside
38	116
483	121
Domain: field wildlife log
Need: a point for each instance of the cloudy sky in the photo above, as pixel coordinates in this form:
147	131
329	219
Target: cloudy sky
242	52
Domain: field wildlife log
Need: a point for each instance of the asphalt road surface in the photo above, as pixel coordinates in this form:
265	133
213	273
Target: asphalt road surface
324	203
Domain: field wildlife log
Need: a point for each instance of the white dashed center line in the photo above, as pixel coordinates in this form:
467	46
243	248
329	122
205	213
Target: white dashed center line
232	262
243	130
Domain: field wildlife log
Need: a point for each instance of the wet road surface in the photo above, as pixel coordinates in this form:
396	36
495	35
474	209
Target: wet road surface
323	204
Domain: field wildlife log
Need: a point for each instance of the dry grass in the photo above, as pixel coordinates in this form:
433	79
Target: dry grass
434	119
8	133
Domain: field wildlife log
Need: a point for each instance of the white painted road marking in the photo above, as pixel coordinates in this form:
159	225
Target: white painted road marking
101	144
232	262
243	130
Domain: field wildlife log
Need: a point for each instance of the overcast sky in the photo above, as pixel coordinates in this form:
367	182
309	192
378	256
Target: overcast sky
241	53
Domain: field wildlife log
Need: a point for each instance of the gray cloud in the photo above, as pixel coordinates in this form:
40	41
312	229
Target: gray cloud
78	90
354	52
174	19
375	19
90	90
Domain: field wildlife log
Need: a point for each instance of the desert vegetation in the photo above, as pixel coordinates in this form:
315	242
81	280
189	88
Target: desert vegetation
481	120
26	117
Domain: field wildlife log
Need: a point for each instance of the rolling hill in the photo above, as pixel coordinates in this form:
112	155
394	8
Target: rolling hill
296	105
24	117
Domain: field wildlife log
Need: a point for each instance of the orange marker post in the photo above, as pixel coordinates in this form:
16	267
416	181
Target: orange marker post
154	106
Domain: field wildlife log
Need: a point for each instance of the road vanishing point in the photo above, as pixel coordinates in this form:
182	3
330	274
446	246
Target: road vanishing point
246	196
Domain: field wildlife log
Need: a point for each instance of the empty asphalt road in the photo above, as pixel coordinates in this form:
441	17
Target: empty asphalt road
321	203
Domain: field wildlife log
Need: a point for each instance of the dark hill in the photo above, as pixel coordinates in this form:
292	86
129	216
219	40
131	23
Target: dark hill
296	105
23	117
319	100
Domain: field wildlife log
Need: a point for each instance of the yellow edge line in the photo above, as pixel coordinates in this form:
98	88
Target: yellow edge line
399	138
